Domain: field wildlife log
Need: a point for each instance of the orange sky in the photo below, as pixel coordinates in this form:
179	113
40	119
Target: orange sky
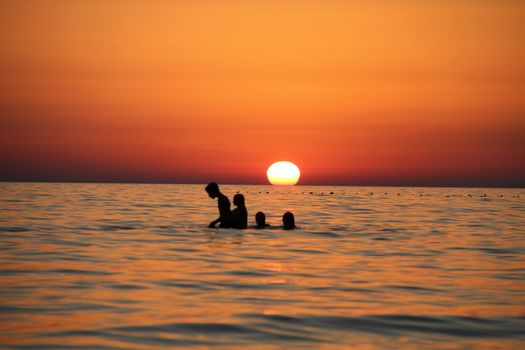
353	92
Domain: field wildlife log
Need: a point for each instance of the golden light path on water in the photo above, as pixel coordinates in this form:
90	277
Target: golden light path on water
134	267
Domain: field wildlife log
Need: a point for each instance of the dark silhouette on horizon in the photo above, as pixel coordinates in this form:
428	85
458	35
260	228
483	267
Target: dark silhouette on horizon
223	204
260	220
239	215
238	218
288	221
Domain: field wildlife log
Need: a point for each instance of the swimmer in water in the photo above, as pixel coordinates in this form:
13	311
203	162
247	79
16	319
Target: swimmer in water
288	221
239	214
260	219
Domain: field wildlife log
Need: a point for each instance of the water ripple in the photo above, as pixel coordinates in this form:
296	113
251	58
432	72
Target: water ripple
117	266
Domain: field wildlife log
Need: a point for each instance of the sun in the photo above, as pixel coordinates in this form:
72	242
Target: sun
283	173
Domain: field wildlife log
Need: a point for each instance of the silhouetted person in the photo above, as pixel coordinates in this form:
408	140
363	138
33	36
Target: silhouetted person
260	220
223	204
239	214
288	221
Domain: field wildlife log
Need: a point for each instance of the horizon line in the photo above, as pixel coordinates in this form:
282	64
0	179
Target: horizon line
258	184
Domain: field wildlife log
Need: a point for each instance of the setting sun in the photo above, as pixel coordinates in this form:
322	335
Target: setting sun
283	173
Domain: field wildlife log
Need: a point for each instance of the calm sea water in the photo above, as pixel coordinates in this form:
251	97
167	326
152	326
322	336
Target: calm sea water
126	266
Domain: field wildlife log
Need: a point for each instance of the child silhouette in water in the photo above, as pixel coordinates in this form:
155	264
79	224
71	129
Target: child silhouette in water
288	221
223	203
260	219
239	214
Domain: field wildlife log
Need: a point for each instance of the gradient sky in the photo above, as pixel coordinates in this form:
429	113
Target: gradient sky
353	92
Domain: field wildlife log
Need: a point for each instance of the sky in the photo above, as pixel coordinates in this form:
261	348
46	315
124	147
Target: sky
354	92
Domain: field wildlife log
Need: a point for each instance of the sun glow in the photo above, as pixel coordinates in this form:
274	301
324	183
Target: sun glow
283	173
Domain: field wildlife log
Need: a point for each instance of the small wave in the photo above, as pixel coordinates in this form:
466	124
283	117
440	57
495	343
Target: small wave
129	338
414	288
184	284
459	326
325	234
117	227
246	286
141	205
390	230
184	250
124	286
63	308
255	300
306	251
209	334
344	289
246	273
496	251
56	346
216	329
504	251
79	272
361	210
16	272
59	271
14	229
68	243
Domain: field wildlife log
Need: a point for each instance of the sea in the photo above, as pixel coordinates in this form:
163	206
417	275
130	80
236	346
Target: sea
134	266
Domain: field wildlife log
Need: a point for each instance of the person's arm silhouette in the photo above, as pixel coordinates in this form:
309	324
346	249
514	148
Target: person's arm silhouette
214	222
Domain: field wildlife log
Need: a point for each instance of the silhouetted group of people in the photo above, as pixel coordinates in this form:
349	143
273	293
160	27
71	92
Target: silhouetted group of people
238	217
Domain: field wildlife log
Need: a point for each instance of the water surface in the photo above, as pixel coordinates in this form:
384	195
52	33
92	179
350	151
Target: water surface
127	266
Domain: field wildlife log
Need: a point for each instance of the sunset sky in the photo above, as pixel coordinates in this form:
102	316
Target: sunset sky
354	92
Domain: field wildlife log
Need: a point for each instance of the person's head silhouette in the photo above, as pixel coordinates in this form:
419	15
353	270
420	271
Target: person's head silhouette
238	200
212	189
288	221
260	219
